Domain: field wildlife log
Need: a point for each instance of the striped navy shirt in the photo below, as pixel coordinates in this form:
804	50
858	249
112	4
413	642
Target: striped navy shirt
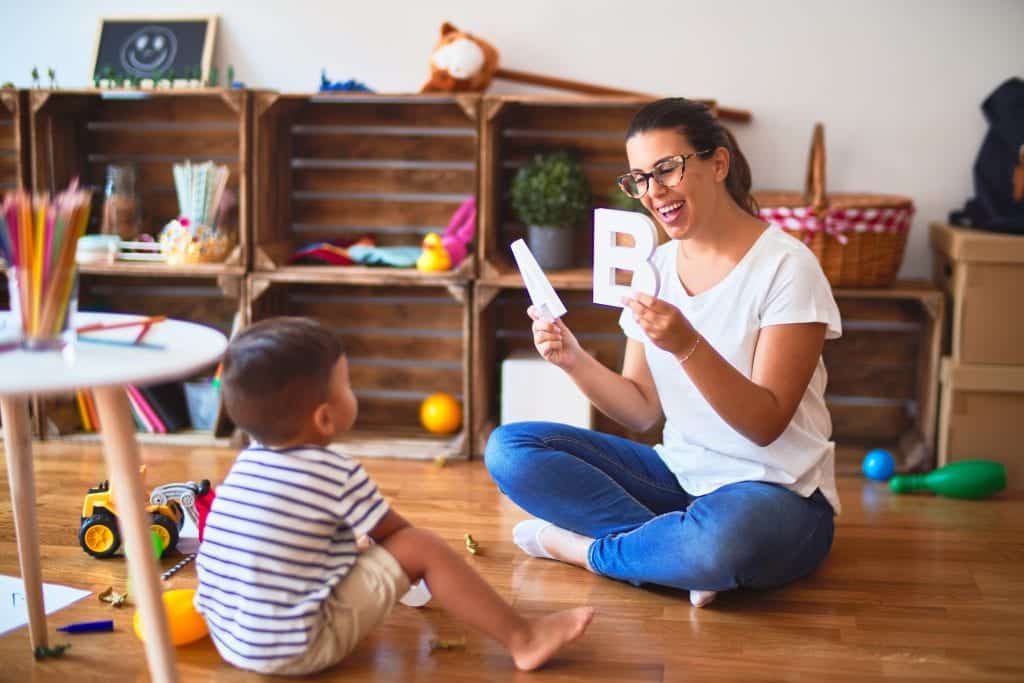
280	535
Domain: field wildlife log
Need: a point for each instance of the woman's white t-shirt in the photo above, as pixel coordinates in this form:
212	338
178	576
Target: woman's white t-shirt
777	282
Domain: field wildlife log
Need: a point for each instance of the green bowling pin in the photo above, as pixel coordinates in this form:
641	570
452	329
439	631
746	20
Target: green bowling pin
965	479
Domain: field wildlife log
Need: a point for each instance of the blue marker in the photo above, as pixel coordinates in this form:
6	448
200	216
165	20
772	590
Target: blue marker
89	626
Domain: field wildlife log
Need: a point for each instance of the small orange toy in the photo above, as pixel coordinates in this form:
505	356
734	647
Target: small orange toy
440	413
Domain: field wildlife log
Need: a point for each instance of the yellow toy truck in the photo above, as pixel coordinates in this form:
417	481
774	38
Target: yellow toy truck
98	532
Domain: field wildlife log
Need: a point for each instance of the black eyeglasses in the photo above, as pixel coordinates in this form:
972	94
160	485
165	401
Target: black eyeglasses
668	172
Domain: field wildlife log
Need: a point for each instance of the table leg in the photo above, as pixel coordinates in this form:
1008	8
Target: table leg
20	475
122	455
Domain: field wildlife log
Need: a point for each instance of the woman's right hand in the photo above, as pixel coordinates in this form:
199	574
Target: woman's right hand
554	341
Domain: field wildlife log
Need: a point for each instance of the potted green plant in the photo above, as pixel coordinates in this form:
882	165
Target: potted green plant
550	194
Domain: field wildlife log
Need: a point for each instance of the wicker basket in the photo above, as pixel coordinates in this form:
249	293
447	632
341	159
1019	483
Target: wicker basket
859	239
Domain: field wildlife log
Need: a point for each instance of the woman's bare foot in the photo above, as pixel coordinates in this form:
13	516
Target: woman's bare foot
702	598
547	635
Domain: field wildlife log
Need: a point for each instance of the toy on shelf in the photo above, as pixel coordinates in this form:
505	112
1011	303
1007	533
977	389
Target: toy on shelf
458	234
464	62
969	479
35	78
351	85
878	464
194	237
434	257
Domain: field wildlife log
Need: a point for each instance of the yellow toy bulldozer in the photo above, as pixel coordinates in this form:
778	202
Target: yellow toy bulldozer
99	535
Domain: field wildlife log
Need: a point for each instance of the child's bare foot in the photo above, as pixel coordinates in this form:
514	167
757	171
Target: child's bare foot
547	636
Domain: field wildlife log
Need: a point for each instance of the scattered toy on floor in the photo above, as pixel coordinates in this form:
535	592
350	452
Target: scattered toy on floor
185	624
51	652
447	644
113	597
472	547
88	626
174	570
878	464
969	479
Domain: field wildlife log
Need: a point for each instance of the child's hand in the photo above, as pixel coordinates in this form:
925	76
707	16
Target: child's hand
554	341
663	323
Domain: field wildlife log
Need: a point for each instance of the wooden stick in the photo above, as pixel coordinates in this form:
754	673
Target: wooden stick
591	89
14	412
121	452
96	327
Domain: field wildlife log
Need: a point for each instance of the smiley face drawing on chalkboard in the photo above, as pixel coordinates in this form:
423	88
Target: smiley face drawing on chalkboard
149	51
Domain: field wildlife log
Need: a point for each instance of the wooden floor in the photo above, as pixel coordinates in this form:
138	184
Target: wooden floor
916	588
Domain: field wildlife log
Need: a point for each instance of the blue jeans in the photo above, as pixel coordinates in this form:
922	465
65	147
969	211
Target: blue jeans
646	528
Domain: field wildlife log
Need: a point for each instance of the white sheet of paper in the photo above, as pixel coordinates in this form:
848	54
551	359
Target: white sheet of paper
609	257
542	294
14	610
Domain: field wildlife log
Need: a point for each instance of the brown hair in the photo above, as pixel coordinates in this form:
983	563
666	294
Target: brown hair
276	373
695	121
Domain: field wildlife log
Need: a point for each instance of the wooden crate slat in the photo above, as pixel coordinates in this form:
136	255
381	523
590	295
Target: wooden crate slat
879	423
196	300
363	213
150	173
383	376
367	343
369	179
363	146
167	108
406	113
183	144
591	116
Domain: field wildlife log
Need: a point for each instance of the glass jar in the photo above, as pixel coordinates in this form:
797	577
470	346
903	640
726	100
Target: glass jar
46	320
121	215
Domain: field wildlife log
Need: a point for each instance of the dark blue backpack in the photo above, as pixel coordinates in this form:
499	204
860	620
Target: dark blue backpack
998	202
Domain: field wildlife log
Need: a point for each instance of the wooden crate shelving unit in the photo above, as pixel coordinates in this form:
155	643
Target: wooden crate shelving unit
15	154
80	133
207	300
502	327
404	341
513	131
883	372
343	166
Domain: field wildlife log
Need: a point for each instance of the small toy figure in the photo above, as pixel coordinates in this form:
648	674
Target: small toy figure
52	74
214	77
351	85
434	257
231	76
35	77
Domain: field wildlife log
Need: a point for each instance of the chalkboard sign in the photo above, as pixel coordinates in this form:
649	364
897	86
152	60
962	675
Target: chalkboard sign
150	48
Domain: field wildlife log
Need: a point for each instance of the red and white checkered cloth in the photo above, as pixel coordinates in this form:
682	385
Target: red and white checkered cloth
838	222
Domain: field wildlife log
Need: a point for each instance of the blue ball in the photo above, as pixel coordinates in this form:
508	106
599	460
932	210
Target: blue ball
878	465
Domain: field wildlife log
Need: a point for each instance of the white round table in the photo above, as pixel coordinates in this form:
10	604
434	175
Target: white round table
105	361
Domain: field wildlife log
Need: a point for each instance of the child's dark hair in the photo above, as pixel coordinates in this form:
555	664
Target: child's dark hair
695	121
276	373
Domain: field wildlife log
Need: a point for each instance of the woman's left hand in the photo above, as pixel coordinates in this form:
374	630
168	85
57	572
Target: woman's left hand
663	323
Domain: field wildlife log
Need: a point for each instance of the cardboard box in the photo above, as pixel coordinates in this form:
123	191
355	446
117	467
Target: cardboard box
983	273
981	416
534	389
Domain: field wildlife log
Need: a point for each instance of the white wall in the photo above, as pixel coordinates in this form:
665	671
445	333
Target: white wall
897	83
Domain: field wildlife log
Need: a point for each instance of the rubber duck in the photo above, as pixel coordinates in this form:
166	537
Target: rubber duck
434	256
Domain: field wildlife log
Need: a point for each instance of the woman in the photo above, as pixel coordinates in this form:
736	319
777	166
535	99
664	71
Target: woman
741	491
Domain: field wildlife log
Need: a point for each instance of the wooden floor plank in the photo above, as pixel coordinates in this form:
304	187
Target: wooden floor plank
916	588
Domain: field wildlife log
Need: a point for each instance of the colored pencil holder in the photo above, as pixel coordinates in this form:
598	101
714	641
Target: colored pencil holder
49	328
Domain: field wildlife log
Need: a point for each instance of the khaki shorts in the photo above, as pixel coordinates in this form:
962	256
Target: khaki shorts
357	604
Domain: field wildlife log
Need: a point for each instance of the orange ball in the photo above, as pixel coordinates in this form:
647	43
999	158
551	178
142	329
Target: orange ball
440	413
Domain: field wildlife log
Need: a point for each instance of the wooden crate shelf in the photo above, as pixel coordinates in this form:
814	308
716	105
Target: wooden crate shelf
78	133
514	130
214	300
344	166
502	327
404	342
15	154
883	372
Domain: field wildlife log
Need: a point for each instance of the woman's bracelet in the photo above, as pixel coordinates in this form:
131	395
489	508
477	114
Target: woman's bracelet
696	343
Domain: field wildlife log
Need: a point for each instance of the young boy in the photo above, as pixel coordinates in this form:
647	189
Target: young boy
281	582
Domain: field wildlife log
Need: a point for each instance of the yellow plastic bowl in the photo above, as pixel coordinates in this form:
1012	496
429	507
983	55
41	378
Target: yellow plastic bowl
186	624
